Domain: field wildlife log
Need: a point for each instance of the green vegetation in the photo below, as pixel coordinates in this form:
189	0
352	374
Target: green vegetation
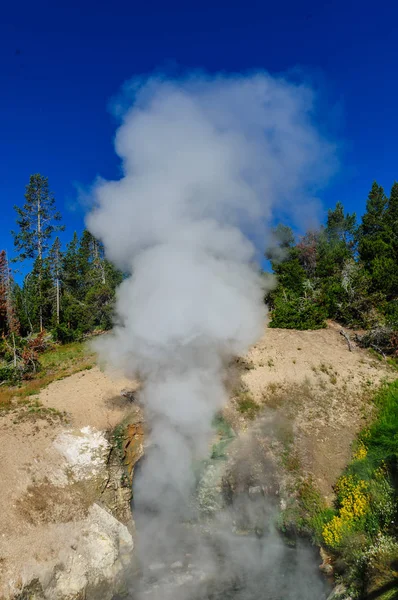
306	514
246	404
345	271
360	531
66	294
56	362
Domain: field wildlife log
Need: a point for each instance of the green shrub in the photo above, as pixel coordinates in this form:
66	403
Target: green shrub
10	374
61	333
381	438
297	313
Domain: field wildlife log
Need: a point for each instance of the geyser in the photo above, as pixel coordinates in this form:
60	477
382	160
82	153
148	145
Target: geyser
206	160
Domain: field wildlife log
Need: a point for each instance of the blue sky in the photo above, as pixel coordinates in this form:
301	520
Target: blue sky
60	64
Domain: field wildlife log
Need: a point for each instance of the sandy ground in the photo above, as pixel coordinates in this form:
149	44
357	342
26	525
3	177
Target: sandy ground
90	397
310	377
322	389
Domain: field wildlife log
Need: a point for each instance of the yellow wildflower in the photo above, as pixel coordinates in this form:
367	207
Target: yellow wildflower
361	452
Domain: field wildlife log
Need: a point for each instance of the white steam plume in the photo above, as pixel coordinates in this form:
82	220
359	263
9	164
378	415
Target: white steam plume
205	162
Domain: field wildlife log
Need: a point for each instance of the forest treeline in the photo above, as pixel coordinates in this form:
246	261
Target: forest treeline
66	294
346	271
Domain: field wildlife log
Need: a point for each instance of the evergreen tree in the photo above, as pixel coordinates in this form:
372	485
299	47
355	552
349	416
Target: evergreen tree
336	243
377	242
373	219
294	301
55	265
371	233
392	212
70	266
21	311
89	283
37	221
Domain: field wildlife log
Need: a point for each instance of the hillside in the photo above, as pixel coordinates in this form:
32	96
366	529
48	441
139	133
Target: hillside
308	379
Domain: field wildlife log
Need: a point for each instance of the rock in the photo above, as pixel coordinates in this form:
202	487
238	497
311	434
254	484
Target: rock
210	489
339	593
132	444
130	395
86	451
326	567
96	569
96	556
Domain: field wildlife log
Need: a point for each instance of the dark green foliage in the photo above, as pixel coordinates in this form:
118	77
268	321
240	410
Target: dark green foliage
297	313
69	293
36	219
88	282
378	241
382	437
294	303
10	374
344	272
61	333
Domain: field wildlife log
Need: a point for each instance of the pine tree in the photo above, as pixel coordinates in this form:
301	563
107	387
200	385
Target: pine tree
70	267
377	243
55	265
371	232
37	221
392	217
99	280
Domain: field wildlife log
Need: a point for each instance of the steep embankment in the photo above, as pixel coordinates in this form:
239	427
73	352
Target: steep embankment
318	391
65	515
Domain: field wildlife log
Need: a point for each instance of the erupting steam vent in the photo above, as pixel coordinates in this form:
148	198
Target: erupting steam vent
206	161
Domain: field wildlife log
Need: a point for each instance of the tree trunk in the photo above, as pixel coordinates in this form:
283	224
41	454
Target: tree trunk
40	256
57	301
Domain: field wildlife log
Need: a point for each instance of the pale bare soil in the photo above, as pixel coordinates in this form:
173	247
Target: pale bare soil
321	390
309	377
41	515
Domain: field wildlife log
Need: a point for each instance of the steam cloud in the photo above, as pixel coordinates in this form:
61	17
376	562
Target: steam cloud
206	161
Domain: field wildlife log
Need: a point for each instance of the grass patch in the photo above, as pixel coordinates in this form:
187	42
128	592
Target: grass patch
246	404
306	514
55	364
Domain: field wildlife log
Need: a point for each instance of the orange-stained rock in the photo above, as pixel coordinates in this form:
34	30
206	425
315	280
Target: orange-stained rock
133	445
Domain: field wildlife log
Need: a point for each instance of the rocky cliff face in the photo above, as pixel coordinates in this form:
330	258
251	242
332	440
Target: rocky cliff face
92	494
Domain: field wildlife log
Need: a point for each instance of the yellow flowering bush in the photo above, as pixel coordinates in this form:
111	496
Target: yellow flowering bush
353	504
361	452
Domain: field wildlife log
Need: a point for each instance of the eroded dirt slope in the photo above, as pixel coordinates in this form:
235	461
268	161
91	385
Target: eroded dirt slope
319	388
